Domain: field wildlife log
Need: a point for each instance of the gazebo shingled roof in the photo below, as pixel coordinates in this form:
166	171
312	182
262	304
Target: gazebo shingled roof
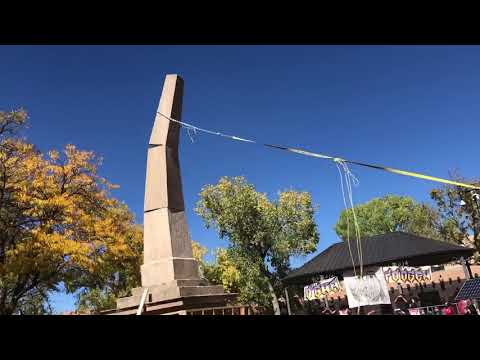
380	250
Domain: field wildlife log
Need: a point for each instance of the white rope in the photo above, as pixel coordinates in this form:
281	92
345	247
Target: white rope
195	129
348	218
321	156
352	178
349	179
189	130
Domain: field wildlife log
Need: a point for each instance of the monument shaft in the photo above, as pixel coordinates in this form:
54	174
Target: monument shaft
167	247
169	270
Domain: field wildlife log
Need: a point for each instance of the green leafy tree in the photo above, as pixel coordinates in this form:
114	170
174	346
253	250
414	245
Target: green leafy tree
388	214
262	234
95	300
459	209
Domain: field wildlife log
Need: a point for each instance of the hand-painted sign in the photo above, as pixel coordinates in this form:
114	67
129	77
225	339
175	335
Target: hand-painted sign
371	289
321	289
407	274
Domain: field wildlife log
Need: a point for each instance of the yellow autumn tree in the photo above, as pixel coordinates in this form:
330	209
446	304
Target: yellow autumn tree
58	222
221	271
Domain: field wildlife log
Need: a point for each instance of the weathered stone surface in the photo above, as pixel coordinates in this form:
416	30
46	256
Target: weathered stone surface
165	270
167	246
165	133
178	305
159	293
169	270
166	235
163	184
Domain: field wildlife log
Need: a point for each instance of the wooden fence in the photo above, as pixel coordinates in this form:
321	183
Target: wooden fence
227	310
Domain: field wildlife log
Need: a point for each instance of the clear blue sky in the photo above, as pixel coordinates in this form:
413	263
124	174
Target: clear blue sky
411	107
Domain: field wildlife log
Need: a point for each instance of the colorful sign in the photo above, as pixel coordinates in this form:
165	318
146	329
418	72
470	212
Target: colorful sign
407	274
321	289
371	289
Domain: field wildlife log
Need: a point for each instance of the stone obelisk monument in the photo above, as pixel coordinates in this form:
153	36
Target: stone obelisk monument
170	274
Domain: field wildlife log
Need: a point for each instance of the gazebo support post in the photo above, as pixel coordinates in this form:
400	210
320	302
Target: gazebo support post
466	268
288	302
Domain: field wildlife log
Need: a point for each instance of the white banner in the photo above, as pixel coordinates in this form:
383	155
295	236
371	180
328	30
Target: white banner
372	289
321	289
407	274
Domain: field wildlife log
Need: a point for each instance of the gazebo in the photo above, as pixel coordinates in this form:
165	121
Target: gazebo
394	248
380	250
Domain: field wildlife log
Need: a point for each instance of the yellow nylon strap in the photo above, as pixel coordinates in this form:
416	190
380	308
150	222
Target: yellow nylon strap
336	159
388	169
431	178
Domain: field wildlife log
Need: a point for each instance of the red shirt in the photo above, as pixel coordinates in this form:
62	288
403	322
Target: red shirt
448	311
462	307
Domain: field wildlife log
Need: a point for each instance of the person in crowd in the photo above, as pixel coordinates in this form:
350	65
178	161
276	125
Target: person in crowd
415	311
448	310
316	307
300	305
309	305
471	310
401	305
283	306
335	310
344	310
319	310
462	307
326	311
414	302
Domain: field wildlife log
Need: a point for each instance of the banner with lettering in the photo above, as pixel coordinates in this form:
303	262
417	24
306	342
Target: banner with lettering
407	274
371	289
321	289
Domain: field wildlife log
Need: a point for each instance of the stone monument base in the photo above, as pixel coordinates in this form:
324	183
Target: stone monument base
174	298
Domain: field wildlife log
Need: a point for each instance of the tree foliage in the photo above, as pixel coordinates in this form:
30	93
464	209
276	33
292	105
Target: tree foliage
459	209
262	234
221	271
114	277
388	214
58	221
224	272
35	303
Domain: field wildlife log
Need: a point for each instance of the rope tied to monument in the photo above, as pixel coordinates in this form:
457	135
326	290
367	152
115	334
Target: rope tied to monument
326	157
346	178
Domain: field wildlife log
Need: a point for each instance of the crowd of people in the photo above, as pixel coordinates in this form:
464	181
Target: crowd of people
319	307
400	306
